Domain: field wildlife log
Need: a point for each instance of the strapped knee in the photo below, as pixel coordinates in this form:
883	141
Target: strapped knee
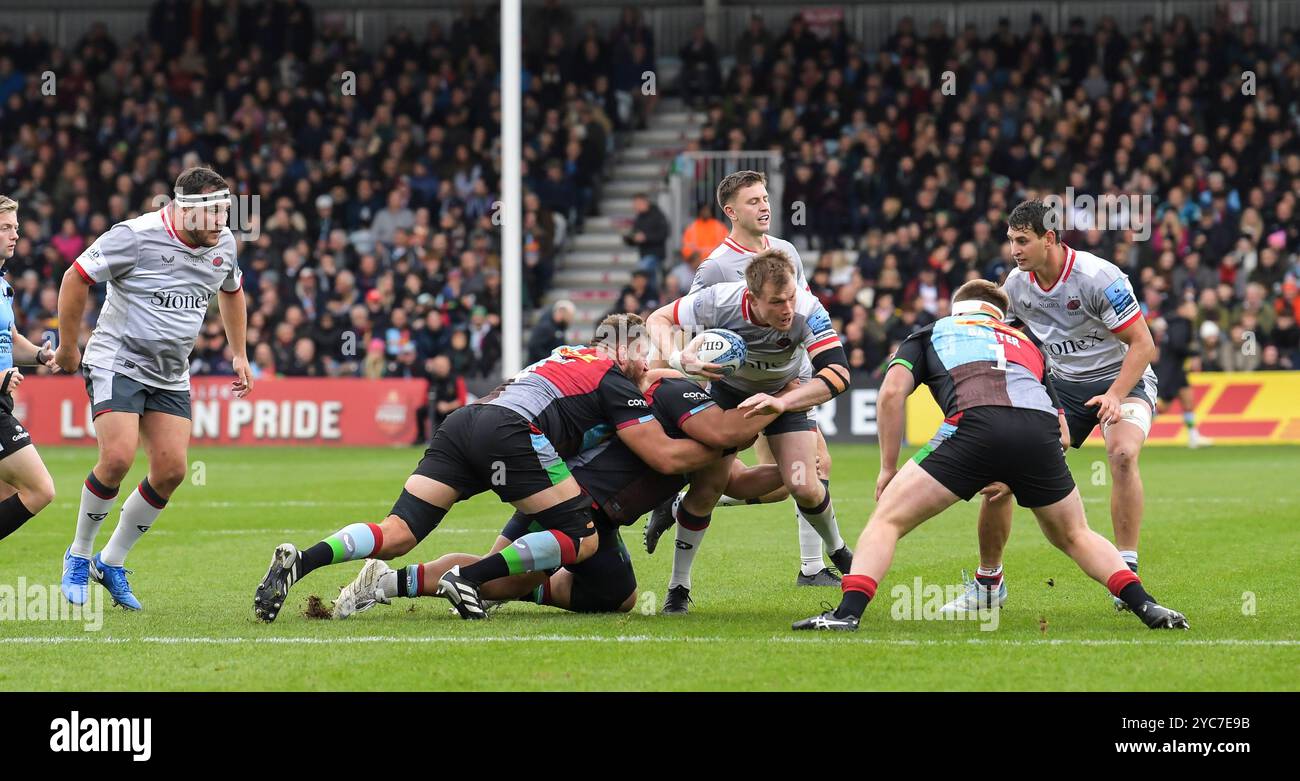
420	516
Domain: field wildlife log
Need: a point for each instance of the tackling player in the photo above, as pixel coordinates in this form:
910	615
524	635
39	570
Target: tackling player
1084	312
780	323
1001	425
512	441
621	487
25	483
742	196
162	270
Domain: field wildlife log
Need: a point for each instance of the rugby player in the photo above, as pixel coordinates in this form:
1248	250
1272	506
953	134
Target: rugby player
1001	425
162	270
621	487
742	196
1084	312
1175	336
780	323
514	442
25	484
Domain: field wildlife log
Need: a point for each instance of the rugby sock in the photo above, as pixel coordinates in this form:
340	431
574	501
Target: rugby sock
1130	558
541	550
990	578
96	502
858	591
1127	586
822	518
1189	419
139	511
731	501
810	548
350	543
13	513
690	532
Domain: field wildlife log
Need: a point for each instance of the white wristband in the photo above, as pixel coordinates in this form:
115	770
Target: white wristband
675	361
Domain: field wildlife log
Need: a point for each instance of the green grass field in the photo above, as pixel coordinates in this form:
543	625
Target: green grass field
1221	525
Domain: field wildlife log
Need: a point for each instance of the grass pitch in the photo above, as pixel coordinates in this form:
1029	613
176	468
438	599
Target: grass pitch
1220	538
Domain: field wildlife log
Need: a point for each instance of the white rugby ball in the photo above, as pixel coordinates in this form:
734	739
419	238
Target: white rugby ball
718	345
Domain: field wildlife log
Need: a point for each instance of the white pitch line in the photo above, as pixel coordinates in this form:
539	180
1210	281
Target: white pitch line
632	639
236	532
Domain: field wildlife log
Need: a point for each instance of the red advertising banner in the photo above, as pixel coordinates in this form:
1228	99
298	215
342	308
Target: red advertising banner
289	411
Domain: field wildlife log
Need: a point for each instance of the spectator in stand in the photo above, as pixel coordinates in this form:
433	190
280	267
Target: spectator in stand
702	236
649	234
700	76
552	330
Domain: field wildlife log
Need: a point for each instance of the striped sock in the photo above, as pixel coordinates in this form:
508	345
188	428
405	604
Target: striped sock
1128	586
690	533
537	551
139	512
989	578
350	543
822	518
858	591
409	581
810	547
1189	419
1130	558
96	503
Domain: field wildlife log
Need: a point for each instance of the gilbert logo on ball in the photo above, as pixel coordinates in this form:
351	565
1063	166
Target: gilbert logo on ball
722	347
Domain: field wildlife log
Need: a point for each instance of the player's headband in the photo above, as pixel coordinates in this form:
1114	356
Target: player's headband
214	198
973	307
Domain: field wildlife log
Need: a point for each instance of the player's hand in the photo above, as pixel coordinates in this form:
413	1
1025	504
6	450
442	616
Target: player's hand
762	404
691	364
68	357
243	384
48	352
882	480
995	491
12	379
1107	405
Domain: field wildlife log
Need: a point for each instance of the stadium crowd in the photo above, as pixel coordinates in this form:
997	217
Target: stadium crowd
897	188
377	248
374	246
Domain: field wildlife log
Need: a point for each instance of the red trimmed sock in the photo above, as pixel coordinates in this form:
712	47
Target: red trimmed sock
858	591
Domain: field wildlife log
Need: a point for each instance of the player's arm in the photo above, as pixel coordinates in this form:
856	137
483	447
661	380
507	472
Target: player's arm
725	429
234	318
830	371
664	454
666	323
26	353
1119	311
905	372
111	256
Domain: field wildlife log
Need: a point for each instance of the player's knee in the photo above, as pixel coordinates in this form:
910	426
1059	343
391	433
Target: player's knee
113	465
629	603
1122	457
166	478
398	539
808	494
39	494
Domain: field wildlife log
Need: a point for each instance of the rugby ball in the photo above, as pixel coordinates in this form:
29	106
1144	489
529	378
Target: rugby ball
718	345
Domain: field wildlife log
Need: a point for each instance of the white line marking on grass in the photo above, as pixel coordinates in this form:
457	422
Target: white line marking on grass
230	532
620	639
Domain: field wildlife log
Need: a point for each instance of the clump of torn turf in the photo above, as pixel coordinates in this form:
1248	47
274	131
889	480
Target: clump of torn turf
316	608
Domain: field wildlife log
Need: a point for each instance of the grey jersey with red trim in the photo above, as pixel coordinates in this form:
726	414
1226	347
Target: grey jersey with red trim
728	261
158	294
1077	318
775	357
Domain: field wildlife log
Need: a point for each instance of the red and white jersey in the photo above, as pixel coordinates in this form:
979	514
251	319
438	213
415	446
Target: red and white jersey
159	289
775	357
1078	317
728	261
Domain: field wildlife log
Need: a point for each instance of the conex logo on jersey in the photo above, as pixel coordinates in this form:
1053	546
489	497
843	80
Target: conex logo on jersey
166	299
101	734
696	396
636	403
1071	346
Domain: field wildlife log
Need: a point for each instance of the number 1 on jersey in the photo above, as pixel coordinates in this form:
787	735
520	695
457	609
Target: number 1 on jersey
1000	351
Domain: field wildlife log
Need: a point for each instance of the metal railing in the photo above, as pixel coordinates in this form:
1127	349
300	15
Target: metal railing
694	180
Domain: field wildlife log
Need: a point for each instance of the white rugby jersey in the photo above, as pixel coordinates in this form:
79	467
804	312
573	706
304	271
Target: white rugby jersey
728	261
775	357
158	294
1077	318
